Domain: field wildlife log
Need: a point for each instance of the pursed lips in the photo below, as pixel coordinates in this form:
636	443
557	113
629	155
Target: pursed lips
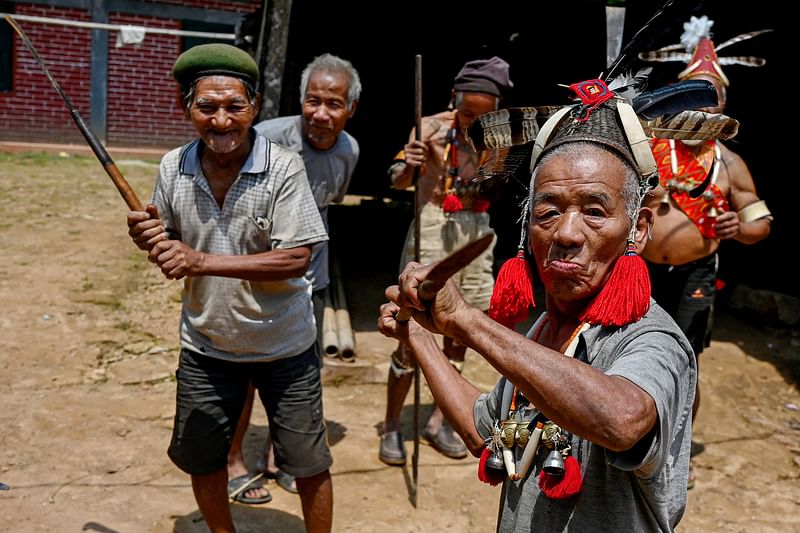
561	265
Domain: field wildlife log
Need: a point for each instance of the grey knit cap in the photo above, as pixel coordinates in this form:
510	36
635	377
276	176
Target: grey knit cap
484	76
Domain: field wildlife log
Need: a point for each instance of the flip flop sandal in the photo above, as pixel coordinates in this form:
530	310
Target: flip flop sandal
284	480
238	486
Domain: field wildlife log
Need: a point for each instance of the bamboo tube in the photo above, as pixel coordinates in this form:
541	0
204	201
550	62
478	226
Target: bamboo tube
344	329
330	335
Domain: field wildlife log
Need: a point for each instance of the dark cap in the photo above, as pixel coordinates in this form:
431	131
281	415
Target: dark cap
484	76
600	118
601	126
214	59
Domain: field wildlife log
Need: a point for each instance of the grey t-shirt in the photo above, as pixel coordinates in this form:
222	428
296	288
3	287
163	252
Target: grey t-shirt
329	174
268	206
642	489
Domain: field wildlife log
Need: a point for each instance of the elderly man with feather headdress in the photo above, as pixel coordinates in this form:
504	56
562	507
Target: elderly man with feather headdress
706	195
589	427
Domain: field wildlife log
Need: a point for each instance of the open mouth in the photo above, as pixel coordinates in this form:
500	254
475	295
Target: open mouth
222	141
321	130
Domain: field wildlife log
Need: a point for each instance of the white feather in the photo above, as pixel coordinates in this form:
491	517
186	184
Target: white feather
694	30
628	85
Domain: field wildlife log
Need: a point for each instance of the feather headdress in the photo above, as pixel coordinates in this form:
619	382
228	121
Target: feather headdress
698	51
664	112
507	136
616	112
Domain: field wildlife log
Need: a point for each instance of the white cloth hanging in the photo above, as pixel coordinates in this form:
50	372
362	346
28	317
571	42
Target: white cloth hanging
130	35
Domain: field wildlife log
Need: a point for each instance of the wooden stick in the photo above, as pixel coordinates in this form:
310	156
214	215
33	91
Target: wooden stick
97	147
417	210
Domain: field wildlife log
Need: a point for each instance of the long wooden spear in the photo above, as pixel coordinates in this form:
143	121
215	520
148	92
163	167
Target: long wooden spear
97	147
417	211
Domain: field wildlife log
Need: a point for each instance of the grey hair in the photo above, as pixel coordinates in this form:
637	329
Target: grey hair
631	192
332	63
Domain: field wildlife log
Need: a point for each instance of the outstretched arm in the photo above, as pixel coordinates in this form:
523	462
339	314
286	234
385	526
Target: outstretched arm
606	409
454	395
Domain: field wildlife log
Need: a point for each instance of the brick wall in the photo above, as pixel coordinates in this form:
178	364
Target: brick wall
143	101
143	106
33	110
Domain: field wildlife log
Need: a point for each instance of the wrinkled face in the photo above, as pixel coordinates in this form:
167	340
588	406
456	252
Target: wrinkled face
472	106
579	225
325	110
222	113
721	93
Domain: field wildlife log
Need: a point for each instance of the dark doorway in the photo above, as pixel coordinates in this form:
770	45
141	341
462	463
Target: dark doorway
547	44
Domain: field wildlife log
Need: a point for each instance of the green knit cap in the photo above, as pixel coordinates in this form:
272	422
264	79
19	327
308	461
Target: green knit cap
215	58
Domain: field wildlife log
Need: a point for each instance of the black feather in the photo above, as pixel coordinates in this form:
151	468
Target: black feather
672	99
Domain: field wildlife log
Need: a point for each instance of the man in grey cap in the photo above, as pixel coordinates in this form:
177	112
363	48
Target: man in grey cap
452	213
234	216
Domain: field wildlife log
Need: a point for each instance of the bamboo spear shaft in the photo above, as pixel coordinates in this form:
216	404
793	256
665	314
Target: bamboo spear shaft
417	210
97	147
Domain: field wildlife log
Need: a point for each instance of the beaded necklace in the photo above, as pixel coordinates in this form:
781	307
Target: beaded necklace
455	186
560	476
451	203
673	184
681	171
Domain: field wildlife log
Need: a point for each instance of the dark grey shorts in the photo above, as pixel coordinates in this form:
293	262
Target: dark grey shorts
687	293
209	400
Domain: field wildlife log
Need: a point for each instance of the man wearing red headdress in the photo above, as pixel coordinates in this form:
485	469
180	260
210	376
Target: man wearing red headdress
687	232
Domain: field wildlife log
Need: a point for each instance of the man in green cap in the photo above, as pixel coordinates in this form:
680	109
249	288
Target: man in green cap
234	216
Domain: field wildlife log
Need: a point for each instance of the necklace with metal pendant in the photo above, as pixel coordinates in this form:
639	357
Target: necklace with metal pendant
525	428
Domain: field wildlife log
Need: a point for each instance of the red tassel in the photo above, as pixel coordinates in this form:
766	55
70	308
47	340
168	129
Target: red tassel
564	486
480	205
452	203
492	476
626	296
512	296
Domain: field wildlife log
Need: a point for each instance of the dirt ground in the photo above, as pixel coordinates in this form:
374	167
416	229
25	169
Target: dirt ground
88	348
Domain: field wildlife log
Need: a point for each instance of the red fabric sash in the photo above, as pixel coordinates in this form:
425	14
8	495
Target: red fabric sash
691	171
